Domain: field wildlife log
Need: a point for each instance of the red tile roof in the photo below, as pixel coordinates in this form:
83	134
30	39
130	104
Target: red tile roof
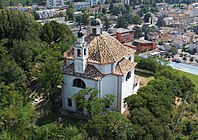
103	49
123	67
91	72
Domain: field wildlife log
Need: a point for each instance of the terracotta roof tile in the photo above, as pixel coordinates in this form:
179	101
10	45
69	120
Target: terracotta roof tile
123	67
103	49
91	72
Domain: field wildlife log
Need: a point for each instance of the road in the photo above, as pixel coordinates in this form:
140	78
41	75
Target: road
184	67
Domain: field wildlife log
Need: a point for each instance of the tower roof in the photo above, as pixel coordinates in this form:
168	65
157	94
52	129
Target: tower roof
95	22
80	33
103	49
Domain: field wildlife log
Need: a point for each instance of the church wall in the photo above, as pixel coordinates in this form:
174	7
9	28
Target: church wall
132	57
105	69
70	90
109	86
127	88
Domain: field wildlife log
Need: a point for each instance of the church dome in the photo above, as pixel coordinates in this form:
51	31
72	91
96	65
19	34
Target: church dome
95	22
104	49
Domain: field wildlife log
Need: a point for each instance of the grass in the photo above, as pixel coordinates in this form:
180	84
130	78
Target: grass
192	77
145	78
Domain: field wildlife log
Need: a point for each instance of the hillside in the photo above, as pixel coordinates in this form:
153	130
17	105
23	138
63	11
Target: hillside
192	77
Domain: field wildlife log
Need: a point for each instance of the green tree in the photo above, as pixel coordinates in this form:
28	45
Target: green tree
122	23
104	10
111	125
7	136
54	32
16	113
138	32
161	22
149	64
85	19
129	18
88	98
36	16
56	131
2	4
137	20
49	76
128	8
10	72
70	13
18	25
106	23
78	18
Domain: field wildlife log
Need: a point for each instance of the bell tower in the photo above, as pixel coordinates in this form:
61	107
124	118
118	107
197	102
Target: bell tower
80	53
96	27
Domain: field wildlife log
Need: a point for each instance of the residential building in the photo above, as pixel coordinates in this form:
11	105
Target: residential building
178	42
54	3
81	5
98	61
142	45
195	28
126	2
153	36
124	35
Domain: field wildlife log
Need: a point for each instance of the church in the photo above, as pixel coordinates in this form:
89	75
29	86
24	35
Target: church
98	61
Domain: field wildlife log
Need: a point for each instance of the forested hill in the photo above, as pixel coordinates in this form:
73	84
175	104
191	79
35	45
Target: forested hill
30	67
28	51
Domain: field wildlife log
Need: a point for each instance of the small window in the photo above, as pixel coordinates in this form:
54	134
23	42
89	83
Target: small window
130	58
69	102
94	31
85	52
78	53
79	83
128	75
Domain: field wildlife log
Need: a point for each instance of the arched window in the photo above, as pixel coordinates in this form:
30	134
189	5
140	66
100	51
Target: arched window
128	75
85	52
78	53
79	83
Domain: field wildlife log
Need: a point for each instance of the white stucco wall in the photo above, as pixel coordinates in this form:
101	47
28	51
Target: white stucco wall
109	86
127	88
70	90
105	69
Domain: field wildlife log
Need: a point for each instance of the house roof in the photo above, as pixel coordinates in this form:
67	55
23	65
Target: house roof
91	72
142	41
123	67
166	38
103	49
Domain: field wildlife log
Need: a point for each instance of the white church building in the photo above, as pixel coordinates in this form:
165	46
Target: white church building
98	61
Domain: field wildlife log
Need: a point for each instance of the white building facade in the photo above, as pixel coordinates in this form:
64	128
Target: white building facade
100	62
53	3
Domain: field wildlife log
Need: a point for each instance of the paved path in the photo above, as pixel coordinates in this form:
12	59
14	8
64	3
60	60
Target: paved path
184	67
